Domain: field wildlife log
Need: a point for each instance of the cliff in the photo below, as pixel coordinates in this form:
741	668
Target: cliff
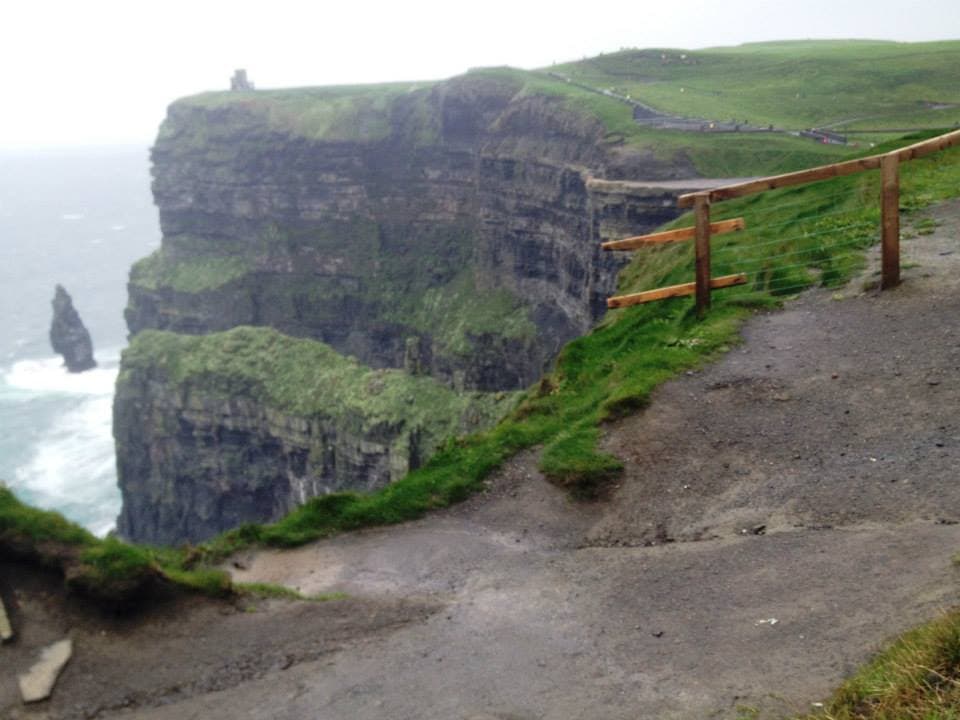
381	220
247	424
446	230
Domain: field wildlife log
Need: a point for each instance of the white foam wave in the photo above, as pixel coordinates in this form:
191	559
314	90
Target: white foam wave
50	376
72	467
72	216
69	463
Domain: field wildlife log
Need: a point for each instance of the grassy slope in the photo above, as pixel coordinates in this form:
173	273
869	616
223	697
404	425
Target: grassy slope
306	378
110	571
336	113
712	155
789	84
190	275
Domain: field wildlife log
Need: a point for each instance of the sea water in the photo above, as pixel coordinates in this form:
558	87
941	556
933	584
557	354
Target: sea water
78	217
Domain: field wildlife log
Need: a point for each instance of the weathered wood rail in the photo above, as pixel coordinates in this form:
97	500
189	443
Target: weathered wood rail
704	229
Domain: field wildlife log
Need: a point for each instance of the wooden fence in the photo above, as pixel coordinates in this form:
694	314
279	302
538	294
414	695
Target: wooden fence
703	230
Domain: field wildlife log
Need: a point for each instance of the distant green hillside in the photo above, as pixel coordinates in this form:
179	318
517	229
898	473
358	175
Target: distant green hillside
846	84
364	113
713	154
852	83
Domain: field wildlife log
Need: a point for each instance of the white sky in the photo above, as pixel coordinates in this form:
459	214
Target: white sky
77	72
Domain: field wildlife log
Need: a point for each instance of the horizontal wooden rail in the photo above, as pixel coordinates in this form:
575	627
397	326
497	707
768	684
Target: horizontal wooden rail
801	177
672	291
928	147
824	172
670	236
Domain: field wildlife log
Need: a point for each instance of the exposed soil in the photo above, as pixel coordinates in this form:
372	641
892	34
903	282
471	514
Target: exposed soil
783	513
176	649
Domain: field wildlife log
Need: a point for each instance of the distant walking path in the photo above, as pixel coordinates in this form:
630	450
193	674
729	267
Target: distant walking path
647	115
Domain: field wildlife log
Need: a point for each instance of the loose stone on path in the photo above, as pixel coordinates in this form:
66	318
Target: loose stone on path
37	683
6	631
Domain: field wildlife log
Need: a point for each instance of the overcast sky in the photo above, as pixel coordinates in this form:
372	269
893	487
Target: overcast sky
78	72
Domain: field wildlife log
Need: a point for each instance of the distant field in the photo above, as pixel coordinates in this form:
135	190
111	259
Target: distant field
789	84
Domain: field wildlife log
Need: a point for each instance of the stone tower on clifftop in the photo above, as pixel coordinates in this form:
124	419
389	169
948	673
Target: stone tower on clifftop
239	81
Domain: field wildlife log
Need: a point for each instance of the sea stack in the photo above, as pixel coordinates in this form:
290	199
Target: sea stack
69	336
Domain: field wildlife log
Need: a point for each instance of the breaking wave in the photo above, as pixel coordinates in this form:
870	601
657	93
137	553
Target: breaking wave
69	462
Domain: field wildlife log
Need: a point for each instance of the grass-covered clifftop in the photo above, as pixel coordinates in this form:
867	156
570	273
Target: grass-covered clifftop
341	113
217	430
194	274
794	84
111	572
363	114
305	378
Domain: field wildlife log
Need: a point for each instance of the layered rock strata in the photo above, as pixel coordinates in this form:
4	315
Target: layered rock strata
435	213
449	231
214	431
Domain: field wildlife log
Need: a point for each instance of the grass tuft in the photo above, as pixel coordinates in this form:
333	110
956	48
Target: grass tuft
270	591
916	678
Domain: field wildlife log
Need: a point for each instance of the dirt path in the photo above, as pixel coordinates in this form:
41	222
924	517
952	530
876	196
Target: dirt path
807	478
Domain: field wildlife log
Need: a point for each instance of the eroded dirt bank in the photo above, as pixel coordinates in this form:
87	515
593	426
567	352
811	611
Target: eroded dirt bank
808	477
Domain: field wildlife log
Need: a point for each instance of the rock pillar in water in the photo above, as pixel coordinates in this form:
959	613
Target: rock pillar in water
69	336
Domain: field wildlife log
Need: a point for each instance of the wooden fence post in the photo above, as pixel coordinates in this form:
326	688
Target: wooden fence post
701	208
890	212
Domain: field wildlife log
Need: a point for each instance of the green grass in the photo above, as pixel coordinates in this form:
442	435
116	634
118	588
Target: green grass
37	527
788	84
108	571
306	378
187	274
916	678
452	314
364	114
337	113
713	155
791	85
269	591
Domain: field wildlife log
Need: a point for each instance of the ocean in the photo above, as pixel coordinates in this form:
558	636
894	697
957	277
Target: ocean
78	217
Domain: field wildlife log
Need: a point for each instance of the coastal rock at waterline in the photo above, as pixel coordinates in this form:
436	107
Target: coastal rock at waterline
68	334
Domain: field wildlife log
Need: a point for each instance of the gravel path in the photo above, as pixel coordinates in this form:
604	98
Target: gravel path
783	513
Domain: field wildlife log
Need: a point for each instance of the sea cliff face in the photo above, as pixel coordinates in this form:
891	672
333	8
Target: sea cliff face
216	430
421	223
448	231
